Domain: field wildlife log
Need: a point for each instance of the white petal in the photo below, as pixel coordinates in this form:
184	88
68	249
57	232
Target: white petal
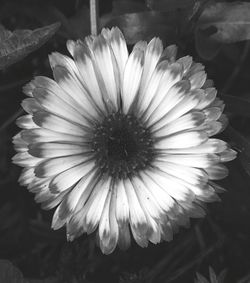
208	98
54	123
198	79
78	195
181	140
146	199
70	177
170	77
108	227
194	176
43	136
171	185
122	205
212	113
185	122
30	105
152	56
138	220
94	206
59	107
124	237
228	155
192	160
26	122
210	146
182	107
83	59
50	150
26	177
164	200
151	90
217	172
119	47
131	79
173	96
24	159
106	70
51	167
169	53
186	63
77	95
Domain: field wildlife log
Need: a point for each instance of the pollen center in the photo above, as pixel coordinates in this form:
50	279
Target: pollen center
122	146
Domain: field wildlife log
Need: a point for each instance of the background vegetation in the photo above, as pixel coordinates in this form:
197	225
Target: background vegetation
214	33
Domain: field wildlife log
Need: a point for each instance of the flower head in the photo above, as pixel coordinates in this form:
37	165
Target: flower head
121	143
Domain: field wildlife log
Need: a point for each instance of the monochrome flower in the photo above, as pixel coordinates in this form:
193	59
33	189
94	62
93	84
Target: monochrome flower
121	143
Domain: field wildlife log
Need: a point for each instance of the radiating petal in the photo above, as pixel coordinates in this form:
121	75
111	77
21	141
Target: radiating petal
131	79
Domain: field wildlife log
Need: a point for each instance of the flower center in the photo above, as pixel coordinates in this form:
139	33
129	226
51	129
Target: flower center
122	146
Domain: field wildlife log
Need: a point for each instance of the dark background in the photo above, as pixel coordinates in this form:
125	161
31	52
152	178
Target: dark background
220	240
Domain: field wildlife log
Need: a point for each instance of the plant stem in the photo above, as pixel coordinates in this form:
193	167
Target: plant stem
94	16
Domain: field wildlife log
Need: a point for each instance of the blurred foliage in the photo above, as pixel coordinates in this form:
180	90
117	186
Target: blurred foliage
212	277
214	33
17	45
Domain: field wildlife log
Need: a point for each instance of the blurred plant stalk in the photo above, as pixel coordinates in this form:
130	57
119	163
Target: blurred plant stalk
94	16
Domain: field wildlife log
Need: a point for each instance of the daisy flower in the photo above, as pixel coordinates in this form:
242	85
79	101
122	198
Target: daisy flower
121	143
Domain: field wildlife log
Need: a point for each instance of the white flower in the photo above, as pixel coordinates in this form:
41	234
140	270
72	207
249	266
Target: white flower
121	142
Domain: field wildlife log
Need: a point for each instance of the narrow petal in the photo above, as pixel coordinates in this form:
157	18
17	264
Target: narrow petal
51	150
81	190
26	122
40	135
53	166
174	95
94	206
70	177
122	205
138	220
131	79
181	140
185	122
119	47
83	59
217	172
210	146
106	70
108	227
192	160
54	123
152	56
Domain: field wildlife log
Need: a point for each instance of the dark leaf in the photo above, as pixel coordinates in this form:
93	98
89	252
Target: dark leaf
206	48
80	23
226	22
146	25
169	5
9	273
16	45
212	275
200	279
127	6
237	105
243	146
47	280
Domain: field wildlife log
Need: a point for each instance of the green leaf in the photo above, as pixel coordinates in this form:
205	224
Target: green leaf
9	273
14	46
226	22
236	105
